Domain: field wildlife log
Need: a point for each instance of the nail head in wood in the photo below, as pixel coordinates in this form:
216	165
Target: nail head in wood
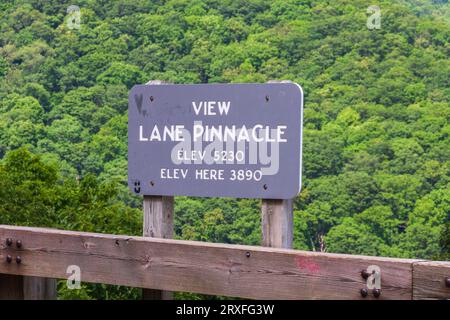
364	292
365	274
376	293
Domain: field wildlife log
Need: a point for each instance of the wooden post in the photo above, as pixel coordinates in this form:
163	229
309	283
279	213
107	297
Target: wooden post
14	287
158	223
277	218
35	288
277	223
11	287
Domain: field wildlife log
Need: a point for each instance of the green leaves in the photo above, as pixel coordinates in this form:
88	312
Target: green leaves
353	237
121	73
376	134
33	193
22	122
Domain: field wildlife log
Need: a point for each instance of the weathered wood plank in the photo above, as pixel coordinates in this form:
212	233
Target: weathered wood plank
158	217
190	266
36	288
24	287
158	223
11	287
277	223
429	280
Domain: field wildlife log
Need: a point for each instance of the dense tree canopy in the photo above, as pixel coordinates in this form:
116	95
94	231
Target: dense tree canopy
376	119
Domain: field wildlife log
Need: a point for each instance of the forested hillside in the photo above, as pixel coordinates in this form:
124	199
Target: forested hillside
376	150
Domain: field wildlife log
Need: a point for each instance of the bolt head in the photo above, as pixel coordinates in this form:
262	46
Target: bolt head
18	259
364	292
364	274
19	244
447	282
8	258
9	242
247	254
376	293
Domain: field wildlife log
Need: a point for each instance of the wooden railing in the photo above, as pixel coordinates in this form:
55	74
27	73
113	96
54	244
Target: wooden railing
208	268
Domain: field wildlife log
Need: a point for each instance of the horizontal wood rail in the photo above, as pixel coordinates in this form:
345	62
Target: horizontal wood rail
216	269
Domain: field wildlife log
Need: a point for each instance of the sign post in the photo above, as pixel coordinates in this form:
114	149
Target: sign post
277	223
216	140
277	218
158	223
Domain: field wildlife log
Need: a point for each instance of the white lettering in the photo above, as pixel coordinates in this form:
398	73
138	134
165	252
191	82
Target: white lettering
155	134
141	138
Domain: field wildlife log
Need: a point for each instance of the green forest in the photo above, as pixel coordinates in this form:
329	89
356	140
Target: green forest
376	149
